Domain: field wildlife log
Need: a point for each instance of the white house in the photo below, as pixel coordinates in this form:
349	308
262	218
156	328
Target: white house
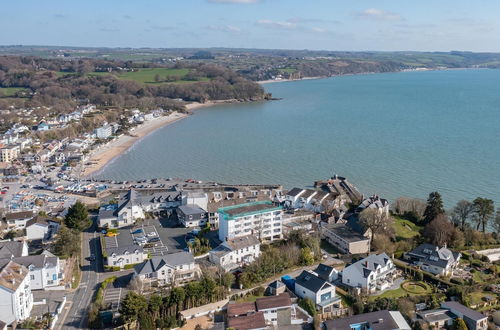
433	259
263	219
373	273
322	293
236	252
15	292
44	270
327	273
126	255
171	268
376	203
191	215
39	228
18	220
104	131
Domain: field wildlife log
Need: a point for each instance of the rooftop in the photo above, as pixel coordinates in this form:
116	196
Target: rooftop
252	321
467	312
380	320
281	300
232	212
345	232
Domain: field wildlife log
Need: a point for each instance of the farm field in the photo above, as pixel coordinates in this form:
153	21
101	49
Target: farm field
10	91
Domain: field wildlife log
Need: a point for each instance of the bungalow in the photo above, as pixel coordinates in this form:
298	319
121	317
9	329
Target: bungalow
379	320
433	259
373	273
310	285
126	255
473	319
171	268
236	252
44	270
191	215
18	220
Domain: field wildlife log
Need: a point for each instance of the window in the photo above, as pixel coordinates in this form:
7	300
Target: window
32	277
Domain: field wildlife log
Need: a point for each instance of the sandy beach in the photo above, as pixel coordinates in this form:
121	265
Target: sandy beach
263	82
104	154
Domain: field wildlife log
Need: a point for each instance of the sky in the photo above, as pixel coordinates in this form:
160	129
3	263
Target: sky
379	25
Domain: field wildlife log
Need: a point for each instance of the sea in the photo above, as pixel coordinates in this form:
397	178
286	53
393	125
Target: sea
391	134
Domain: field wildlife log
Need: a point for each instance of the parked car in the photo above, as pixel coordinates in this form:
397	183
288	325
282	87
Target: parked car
154	239
137	231
152	234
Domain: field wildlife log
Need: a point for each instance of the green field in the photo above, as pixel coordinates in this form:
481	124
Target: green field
11	91
400	292
147	76
287	70
405	229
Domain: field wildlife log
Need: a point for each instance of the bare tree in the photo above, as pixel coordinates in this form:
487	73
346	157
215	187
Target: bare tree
378	222
462	213
439	231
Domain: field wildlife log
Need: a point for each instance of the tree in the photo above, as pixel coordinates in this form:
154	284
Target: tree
462	212
376	221
439	231
132	305
146	321
308	305
157	78
459	324
434	207
77	217
483	210
67	243
382	242
306	257
407	308
496	223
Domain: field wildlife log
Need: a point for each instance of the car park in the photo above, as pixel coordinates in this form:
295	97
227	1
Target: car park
137	231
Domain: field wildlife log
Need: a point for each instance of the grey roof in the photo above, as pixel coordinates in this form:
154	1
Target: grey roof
109	213
324	271
221	250
242	242
467	312
345	232
433	255
370	263
38	261
308	193
19	215
11	248
310	281
121	250
191	209
134	197
379	320
294	192
435	315
172	260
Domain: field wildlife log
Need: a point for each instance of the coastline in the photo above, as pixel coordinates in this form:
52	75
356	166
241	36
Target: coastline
106	153
269	81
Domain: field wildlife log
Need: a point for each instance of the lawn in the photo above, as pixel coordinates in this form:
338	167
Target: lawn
11	91
400	292
405	229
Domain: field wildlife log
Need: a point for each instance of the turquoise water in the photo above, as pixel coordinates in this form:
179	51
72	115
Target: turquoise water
395	134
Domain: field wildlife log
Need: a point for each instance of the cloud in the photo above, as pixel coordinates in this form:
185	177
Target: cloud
59	16
311	20
287	25
378	15
234	1
127	17
224	28
277	24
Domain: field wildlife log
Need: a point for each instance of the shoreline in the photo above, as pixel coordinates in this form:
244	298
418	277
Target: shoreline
108	152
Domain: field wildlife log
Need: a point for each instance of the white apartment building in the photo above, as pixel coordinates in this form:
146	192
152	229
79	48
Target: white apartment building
15	293
9	154
126	255
373	273
236	252
262	219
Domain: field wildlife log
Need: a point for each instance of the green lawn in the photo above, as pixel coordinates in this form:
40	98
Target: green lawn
405	229
400	292
10	91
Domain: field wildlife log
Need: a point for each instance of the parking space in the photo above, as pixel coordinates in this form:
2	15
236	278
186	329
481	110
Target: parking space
157	236
113	296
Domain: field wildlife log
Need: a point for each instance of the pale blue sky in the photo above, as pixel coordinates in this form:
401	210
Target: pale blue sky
425	25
